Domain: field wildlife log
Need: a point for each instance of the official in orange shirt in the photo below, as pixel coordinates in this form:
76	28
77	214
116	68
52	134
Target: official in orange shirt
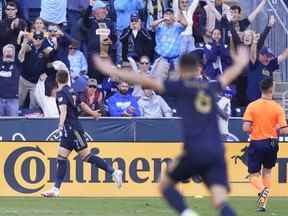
264	120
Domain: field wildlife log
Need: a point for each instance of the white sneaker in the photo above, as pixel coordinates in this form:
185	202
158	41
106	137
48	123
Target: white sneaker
189	212
118	178
54	192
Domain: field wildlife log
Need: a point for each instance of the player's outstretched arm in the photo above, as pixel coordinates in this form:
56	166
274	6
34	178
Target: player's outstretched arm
106	67
241	59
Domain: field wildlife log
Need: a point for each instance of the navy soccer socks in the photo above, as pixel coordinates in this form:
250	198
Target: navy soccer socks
174	199
60	172
100	163
226	210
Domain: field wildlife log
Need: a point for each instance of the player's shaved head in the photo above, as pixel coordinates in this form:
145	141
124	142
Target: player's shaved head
191	62
62	77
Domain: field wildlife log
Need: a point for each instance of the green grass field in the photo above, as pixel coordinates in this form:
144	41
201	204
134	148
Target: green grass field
126	207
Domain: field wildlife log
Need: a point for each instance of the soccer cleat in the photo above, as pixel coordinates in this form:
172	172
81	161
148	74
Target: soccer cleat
261	209
189	212
54	192
262	199
118	178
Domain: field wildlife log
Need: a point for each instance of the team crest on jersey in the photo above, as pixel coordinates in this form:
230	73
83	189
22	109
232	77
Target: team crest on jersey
41	55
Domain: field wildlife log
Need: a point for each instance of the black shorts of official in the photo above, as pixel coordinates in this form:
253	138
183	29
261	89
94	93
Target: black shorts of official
73	139
212	170
262	153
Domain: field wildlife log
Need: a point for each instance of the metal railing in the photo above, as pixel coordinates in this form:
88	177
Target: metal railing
278	38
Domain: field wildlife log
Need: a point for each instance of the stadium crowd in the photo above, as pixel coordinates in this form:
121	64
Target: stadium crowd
146	36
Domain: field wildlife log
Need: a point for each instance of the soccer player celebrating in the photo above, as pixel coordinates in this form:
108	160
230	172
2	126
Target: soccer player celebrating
264	119
73	135
203	153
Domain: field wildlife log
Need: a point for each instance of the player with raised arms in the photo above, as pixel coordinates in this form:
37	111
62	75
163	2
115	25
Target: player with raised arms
73	135
203	152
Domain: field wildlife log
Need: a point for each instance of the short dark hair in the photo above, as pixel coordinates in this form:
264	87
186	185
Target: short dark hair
12	4
266	84
236	7
191	60
62	77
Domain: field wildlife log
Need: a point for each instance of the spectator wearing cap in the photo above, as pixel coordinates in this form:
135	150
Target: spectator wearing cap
99	33
153	106
34	57
168	32
124	9
11	25
93	97
78	67
217	55
54	11
109	86
9	79
136	40
248	35
254	42
264	67
187	39
122	103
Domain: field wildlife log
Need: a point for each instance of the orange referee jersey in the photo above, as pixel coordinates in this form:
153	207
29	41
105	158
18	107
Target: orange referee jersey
266	117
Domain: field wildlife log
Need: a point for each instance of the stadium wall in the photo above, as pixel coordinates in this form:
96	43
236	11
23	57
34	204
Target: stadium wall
28	168
106	130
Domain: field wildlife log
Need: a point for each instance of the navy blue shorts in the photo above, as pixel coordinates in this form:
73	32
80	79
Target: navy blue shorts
212	170
73	139
262	153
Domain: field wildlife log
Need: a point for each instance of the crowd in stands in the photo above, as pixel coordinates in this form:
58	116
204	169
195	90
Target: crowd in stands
145	36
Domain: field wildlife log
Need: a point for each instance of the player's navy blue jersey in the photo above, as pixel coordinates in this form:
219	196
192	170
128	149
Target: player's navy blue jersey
68	97
196	104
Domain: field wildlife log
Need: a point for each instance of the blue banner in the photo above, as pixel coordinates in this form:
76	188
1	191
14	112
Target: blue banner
107	130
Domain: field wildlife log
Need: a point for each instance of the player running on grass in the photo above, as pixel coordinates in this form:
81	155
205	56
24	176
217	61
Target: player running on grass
263	119
73	136
203	148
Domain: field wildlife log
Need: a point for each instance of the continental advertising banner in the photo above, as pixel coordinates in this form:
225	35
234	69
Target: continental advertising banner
27	169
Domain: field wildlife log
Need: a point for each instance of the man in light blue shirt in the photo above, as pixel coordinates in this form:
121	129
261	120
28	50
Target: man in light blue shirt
168	31
124	9
78	68
54	11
